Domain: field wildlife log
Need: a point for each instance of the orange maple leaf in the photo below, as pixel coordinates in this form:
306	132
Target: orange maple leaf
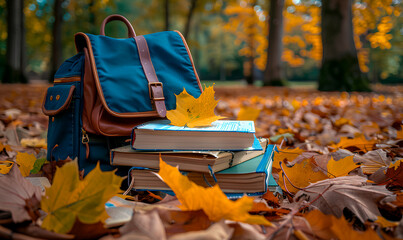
341	167
357	143
291	179
211	200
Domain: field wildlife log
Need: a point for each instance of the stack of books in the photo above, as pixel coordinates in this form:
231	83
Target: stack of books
226	153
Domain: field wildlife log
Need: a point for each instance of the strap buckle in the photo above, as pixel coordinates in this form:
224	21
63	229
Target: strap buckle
151	92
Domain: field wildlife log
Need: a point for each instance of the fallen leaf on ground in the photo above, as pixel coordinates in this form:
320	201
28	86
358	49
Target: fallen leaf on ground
37	165
49	169
341	167
5	166
194	112
211	200
291	179
248	113
146	225
359	142
386	223
395	174
399	134
331	227
34	142
331	196
176	221
18	195
26	162
218	231
373	160
288	154
69	198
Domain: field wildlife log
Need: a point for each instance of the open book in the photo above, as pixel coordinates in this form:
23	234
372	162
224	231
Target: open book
198	161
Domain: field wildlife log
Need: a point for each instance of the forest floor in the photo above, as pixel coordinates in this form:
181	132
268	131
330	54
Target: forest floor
348	143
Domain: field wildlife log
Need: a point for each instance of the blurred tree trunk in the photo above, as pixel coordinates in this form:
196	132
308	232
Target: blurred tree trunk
273	74
56	58
166	11
250	73
340	70
14	71
93	19
189	18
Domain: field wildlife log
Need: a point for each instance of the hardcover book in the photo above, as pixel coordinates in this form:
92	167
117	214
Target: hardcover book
198	161
222	135
251	177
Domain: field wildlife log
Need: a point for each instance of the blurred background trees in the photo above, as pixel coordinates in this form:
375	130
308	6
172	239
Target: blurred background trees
265	42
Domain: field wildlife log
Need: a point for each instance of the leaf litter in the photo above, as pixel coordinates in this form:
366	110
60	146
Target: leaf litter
353	141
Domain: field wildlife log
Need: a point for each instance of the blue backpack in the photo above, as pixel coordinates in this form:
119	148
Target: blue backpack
112	85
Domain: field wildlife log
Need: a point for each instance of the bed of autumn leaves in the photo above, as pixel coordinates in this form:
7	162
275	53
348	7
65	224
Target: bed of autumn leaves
339	167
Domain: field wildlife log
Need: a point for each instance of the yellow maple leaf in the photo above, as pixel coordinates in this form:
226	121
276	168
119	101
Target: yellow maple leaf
26	162
248	113
400	133
300	175
331	227
386	223
341	167
395	165
69	198
34	142
194	112
212	200
282	154
5	166
6	147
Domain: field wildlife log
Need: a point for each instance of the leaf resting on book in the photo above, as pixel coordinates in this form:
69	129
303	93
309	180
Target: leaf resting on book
194	112
212	200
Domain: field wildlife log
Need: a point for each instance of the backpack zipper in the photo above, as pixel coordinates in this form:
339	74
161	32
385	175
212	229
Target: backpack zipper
85	140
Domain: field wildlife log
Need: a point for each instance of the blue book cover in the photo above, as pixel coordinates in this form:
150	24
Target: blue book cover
159	135
216	126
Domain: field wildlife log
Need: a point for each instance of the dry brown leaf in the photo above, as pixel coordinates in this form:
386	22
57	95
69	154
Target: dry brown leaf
218	231
330	227
395	174
19	196
144	224
243	231
331	196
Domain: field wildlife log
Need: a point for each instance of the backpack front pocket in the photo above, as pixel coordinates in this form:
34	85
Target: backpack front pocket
59	105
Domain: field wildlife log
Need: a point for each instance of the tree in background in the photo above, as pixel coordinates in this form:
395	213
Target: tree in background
193	4
273	75
247	22
57	46
14	71
166	16
377	37
340	69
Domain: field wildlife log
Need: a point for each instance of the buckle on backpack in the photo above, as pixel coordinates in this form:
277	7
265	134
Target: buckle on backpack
151	92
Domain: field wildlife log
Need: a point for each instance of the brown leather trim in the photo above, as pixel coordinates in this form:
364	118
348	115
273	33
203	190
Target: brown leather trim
99	87
155	87
63	107
117	17
67	79
191	59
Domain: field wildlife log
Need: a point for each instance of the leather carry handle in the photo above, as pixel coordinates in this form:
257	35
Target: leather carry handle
117	17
